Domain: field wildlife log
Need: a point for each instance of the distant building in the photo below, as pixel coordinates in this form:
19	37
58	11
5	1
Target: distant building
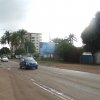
35	38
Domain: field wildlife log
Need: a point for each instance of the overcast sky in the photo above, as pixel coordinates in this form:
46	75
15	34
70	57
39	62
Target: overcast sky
52	18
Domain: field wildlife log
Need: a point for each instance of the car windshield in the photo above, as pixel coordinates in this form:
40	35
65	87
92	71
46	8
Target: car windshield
29	59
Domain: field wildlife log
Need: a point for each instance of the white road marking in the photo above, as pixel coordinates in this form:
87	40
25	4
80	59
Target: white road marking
52	91
8	68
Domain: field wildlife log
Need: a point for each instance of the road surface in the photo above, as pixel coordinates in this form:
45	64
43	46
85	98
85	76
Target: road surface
47	83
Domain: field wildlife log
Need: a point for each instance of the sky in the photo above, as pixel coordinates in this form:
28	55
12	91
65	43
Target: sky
52	18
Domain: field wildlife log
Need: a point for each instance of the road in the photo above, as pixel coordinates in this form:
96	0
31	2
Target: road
47	83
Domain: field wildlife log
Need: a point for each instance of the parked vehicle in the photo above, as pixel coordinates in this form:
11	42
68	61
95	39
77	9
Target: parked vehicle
18	56
4	59
28	63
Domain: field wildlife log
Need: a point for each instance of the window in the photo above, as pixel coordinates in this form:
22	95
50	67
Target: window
33	37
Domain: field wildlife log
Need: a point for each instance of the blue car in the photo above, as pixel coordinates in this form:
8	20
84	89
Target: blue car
28	63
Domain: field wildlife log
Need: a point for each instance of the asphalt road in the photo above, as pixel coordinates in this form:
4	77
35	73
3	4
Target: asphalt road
47	83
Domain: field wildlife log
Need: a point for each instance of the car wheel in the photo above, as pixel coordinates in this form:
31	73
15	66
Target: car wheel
36	67
20	67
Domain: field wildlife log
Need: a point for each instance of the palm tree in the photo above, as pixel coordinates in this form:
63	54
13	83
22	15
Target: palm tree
3	40
7	36
21	34
15	41
72	38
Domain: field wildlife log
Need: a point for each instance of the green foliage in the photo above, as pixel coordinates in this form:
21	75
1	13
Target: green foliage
19	51
91	35
4	50
65	49
7	36
57	40
71	38
21	34
29	47
16	39
68	52
3	40
41	58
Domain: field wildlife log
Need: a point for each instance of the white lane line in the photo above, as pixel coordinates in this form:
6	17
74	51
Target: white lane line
48	89
8	68
52	91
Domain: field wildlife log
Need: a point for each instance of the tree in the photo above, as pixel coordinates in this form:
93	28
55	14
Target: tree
21	34
57	40
67	51
91	35
19	51
4	50
71	38
3	40
29	47
14	41
7	36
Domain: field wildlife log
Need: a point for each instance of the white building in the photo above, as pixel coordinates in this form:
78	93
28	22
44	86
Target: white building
35	38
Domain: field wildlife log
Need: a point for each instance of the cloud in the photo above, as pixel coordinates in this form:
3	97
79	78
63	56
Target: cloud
12	10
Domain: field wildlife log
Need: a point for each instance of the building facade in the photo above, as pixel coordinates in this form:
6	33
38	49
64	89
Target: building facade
35	38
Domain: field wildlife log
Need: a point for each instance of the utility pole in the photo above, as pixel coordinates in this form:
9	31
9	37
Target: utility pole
49	37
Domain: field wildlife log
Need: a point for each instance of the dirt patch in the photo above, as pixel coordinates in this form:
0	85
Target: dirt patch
77	67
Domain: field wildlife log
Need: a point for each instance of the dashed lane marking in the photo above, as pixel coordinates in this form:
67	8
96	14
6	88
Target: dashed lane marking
52	91
8	68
